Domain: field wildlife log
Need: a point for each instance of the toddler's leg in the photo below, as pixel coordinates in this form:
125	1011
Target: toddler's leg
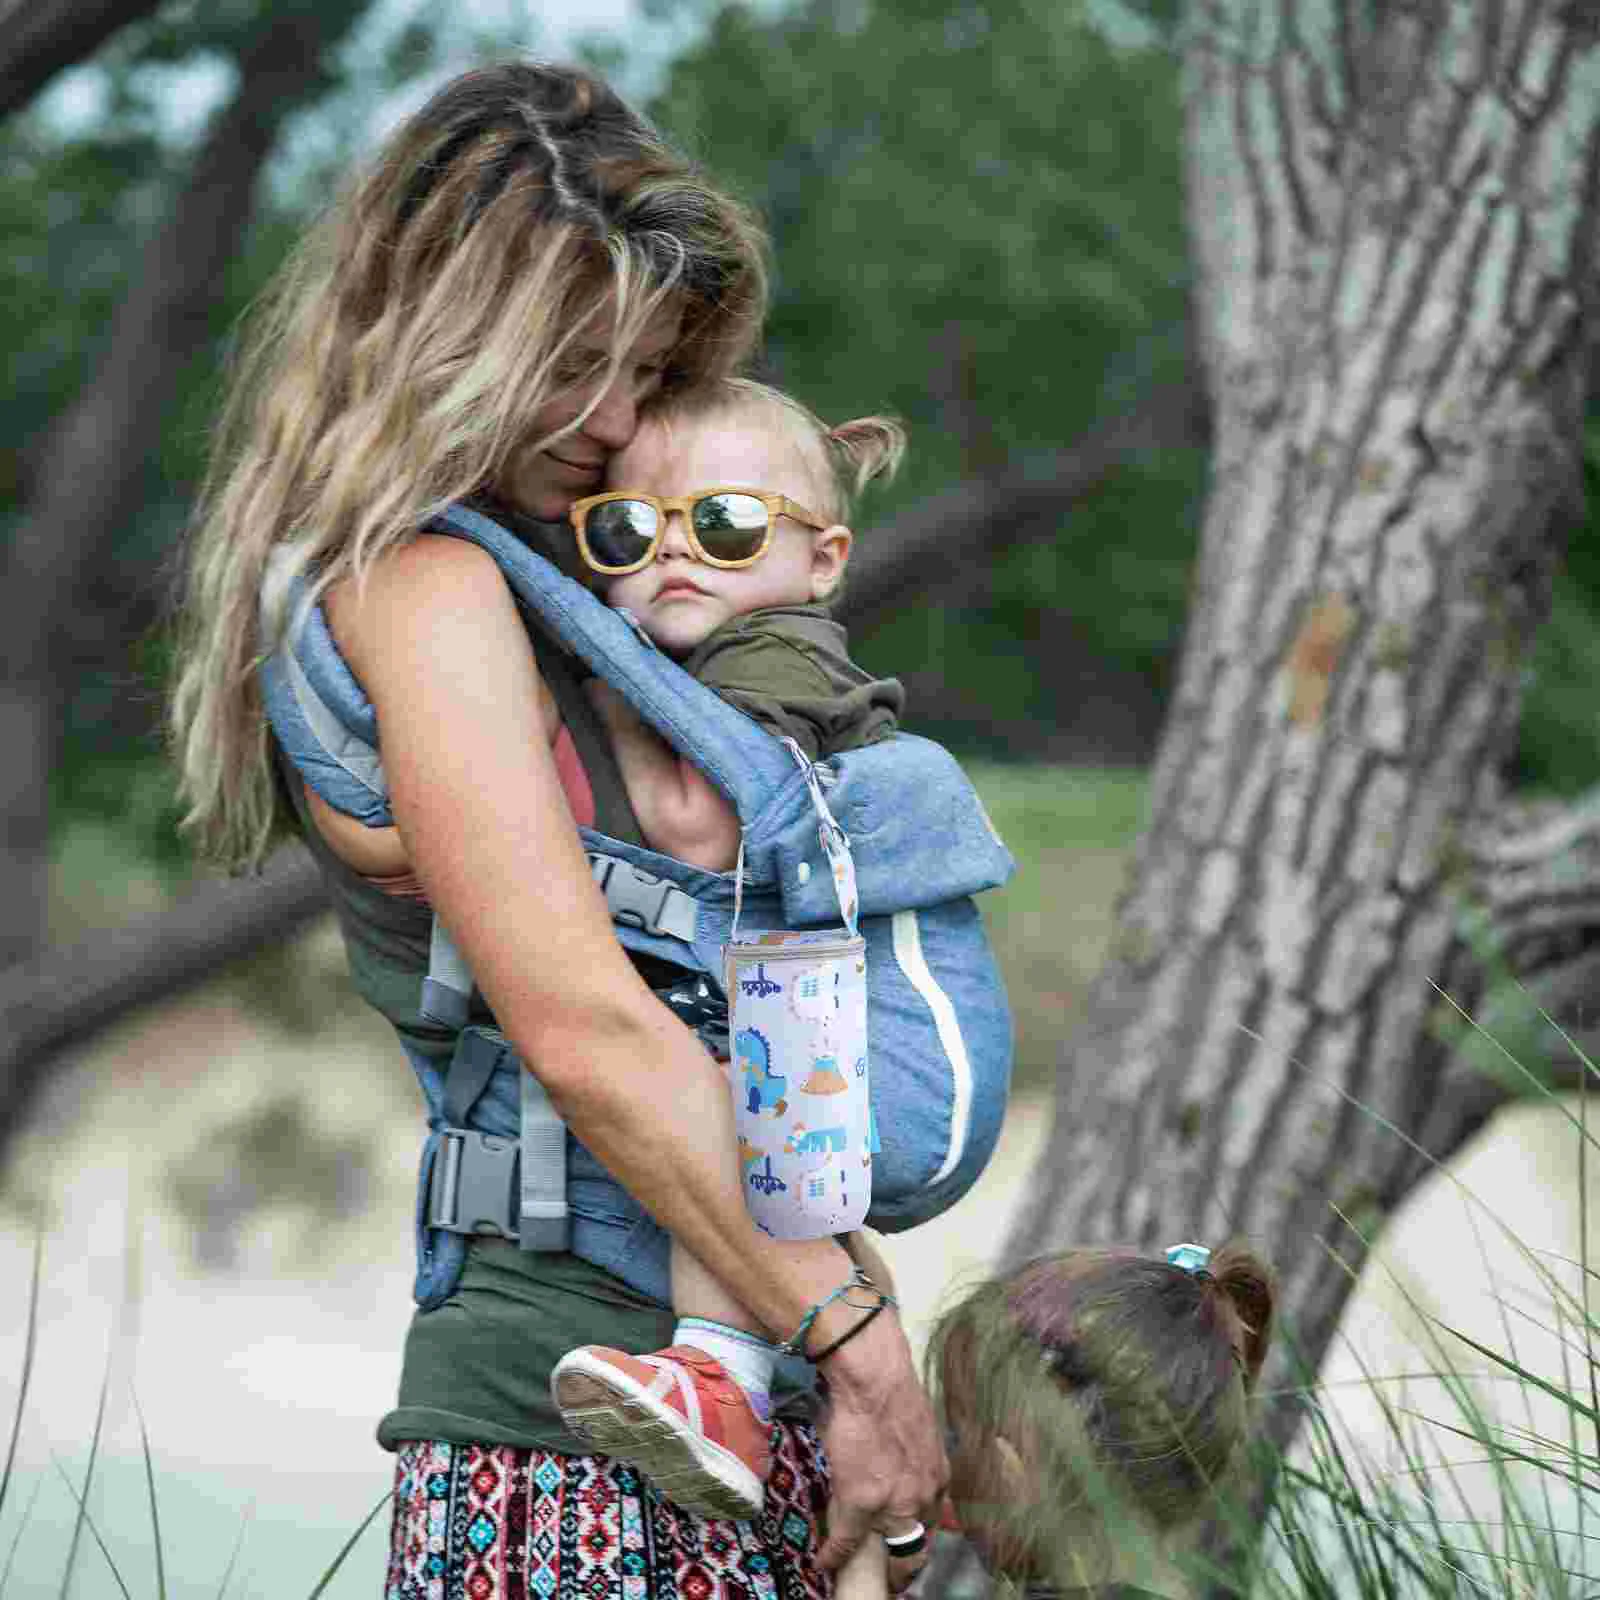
713	1321
694	1417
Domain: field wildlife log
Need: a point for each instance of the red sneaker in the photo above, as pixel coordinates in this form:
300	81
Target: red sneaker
677	1416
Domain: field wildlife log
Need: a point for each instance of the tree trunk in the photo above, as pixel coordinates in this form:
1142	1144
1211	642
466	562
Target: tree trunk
1395	222
91	471
39	38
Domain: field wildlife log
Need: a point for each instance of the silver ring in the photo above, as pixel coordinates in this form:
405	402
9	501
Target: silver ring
912	1542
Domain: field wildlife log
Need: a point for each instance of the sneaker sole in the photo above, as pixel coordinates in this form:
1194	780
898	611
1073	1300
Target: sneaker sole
619	1417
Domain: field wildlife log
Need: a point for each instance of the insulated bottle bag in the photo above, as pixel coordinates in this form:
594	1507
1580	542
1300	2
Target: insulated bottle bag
797	1032
797	1029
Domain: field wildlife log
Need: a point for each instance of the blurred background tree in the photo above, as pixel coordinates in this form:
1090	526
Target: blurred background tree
977	212
978	217
977	222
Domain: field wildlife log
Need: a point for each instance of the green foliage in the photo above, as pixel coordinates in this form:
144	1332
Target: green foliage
976	217
77	205
976	208
1560	747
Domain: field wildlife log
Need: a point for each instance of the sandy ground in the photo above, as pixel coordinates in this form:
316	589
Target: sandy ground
225	1192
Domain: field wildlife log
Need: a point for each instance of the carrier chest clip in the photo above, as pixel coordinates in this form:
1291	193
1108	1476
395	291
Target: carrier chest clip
641	900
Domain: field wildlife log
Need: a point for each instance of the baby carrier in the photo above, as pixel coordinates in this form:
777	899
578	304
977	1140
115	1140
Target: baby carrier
497	1159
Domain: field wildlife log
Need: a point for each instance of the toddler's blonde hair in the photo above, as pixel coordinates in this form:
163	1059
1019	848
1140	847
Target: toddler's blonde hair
841	459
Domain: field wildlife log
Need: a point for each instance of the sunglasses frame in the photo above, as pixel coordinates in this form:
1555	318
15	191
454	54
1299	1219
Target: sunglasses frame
777	505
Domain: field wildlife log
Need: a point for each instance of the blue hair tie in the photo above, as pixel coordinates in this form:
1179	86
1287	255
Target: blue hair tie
1190	1258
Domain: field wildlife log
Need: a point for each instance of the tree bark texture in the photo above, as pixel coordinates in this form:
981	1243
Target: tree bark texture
39	38
92	469
1394	213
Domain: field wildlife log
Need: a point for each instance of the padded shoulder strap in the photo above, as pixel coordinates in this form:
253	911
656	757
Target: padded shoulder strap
323	720
744	762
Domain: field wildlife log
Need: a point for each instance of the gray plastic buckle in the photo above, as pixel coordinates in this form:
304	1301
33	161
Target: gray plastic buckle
476	1185
642	900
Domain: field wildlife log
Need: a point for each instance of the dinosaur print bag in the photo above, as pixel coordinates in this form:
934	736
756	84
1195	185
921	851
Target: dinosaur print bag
797	1024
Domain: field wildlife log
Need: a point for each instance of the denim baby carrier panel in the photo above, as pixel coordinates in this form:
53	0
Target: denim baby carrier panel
922	845
326	727
940	1030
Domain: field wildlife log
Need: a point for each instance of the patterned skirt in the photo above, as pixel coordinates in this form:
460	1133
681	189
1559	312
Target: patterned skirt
499	1522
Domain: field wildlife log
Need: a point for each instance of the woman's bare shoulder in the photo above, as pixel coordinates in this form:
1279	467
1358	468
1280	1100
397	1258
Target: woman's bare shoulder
429	575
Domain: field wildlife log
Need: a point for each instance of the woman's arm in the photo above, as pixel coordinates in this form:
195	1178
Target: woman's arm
680	811
438	645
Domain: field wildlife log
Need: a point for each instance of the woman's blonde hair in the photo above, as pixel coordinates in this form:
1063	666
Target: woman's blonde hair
841	459
1119	1384
406	345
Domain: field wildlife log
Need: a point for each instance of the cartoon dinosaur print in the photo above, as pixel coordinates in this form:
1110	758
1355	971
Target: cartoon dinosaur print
803	1141
764	1088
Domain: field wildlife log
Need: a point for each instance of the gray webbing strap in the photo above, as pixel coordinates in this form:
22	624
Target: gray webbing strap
447	989
467	1077
642	900
475	1174
512	1188
542	1211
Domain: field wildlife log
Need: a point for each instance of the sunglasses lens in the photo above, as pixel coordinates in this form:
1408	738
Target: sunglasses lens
619	532
730	527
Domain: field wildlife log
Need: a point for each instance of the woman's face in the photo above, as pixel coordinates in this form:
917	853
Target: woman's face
543	483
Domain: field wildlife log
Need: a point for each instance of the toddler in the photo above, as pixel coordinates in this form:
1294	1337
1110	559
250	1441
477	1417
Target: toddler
1093	1401
724	538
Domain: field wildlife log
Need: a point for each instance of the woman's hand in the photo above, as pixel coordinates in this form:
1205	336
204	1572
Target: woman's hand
885	1454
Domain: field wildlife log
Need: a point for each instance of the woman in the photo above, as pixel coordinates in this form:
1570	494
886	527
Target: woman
483	315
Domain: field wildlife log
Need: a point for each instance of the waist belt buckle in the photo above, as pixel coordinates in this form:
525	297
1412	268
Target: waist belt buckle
476	1185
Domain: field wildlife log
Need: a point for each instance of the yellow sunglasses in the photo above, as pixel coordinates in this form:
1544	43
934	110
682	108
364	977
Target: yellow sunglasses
620	532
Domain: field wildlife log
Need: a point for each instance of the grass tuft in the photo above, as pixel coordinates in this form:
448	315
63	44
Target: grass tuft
155	1514
350	1544
30	1343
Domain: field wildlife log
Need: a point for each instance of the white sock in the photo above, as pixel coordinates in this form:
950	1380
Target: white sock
746	1357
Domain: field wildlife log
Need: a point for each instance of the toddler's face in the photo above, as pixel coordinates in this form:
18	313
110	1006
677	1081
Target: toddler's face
678	598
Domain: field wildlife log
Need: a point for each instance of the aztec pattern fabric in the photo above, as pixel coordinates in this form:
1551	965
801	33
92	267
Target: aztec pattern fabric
502	1522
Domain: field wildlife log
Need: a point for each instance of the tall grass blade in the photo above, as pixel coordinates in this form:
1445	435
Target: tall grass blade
85	1520
1523	1376
22	1527
238	1545
155	1515
88	1484
30	1341
350	1544
1583	1255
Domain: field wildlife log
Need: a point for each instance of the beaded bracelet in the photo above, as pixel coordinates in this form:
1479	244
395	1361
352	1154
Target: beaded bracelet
795	1344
